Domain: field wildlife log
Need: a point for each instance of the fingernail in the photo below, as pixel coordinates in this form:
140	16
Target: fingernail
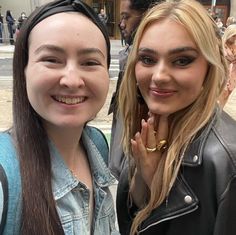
151	120
137	135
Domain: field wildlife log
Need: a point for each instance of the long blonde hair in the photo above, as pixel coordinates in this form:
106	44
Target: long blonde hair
185	123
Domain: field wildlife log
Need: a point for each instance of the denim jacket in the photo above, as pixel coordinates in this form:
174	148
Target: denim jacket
71	195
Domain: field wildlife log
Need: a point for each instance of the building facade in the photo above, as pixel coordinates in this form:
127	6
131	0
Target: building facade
223	9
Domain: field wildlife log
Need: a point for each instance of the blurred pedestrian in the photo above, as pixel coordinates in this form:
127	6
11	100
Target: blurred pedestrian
1	28
21	19
103	16
230	20
229	43
122	38
11	26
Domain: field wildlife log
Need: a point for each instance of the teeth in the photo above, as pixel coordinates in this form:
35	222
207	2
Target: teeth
68	100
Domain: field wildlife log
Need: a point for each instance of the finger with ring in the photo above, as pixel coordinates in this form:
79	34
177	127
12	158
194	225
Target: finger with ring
162	146
151	150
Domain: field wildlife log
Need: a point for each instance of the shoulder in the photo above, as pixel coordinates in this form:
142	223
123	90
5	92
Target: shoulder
99	140
224	132
6	143
96	134
8	156
215	146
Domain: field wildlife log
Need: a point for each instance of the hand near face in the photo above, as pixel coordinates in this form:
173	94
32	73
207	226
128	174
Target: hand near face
231	84
230	54
154	130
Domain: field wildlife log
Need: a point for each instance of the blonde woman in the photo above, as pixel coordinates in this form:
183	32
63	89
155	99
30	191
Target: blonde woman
229	44
182	173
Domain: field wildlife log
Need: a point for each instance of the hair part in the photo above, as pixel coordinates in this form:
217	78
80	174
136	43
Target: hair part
186	123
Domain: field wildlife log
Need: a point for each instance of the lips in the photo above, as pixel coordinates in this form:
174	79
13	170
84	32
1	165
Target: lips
69	100
162	92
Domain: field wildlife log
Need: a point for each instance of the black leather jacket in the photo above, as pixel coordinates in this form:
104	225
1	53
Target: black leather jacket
203	198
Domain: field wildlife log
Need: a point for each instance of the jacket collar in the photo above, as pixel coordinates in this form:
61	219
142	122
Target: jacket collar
63	180
193	154
181	201
99	169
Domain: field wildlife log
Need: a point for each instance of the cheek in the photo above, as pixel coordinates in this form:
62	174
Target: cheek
100	86
143	76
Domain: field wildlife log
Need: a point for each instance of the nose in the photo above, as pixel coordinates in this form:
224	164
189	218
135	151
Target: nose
72	77
161	72
122	24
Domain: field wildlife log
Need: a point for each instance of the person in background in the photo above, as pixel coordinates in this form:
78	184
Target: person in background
230	20
103	16
11	26
219	22
21	19
1	27
131	12
229	44
182	173
123	42
54	162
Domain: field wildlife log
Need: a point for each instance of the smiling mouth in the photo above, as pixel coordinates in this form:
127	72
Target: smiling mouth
69	100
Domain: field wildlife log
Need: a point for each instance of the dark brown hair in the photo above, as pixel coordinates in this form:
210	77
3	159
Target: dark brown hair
39	214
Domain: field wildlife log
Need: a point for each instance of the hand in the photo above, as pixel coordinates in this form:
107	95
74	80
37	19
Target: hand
230	54
152	132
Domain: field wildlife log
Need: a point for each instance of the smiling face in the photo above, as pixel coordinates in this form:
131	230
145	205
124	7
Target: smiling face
66	75
170	69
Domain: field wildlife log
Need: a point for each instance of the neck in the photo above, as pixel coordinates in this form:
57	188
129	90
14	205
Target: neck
67	141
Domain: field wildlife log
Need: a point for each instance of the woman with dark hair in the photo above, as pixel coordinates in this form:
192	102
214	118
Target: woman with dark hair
54	163
10	25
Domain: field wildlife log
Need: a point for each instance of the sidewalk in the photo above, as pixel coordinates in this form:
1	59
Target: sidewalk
6	48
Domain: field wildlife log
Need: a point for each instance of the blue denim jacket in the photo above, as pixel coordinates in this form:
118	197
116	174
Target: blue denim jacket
71	196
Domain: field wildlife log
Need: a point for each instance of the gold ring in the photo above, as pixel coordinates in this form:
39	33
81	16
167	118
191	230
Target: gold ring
151	150
162	146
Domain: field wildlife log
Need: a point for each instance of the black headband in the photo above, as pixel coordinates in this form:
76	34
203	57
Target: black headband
67	6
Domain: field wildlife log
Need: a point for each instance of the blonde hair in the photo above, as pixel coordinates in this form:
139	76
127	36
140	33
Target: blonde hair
229	33
230	20
187	122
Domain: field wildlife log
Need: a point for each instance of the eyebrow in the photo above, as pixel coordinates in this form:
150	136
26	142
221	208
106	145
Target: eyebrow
84	51
172	51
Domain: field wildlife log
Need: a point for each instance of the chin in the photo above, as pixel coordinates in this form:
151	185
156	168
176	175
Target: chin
161	111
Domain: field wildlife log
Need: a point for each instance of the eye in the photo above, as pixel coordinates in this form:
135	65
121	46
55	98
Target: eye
183	61
50	59
91	63
146	60
125	17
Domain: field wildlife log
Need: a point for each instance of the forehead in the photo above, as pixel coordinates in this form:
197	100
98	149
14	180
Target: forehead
125	6
70	23
166	33
69	31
